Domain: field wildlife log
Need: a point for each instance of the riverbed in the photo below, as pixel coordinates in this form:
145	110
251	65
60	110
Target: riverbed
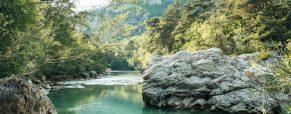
115	93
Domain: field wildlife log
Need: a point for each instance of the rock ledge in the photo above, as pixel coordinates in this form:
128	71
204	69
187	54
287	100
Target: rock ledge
18	96
205	79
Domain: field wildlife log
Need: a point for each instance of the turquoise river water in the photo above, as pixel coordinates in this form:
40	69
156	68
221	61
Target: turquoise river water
118	93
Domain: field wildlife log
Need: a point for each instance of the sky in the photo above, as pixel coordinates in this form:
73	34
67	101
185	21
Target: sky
83	5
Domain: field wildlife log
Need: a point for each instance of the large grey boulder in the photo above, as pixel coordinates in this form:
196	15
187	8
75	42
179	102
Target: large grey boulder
205	79
18	96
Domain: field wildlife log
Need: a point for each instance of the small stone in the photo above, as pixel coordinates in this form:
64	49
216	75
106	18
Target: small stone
85	75
93	74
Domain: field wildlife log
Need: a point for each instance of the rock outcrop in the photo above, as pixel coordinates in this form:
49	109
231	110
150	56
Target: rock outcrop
18	96
205	79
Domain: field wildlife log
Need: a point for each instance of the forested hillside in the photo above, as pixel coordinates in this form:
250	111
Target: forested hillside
50	38
47	38
237	27
245	51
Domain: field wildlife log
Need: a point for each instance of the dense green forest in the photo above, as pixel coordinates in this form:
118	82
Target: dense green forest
40	37
236	27
47	37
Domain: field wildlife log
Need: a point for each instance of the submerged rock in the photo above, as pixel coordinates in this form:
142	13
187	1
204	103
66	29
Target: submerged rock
18	96
205	79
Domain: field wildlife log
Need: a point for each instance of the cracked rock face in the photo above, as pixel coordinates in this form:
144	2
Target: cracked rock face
18	96
205	79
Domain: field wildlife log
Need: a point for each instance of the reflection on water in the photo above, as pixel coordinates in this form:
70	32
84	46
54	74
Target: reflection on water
105	99
98	99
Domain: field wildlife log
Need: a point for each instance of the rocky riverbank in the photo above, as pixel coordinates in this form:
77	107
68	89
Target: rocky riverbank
207	79
57	82
21	96
109	78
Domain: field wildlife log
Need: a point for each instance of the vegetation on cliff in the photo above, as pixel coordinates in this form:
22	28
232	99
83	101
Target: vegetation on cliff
44	37
48	37
236	27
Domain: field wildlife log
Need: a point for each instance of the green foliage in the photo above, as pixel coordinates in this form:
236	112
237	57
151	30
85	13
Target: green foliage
117	55
49	38
235	27
161	29
140	55
41	37
17	26
281	81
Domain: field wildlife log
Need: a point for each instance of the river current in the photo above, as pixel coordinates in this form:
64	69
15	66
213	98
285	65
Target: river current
116	93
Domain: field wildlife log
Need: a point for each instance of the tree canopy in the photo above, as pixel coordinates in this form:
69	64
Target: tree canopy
47	37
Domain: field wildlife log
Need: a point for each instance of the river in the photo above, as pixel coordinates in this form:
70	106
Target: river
118	93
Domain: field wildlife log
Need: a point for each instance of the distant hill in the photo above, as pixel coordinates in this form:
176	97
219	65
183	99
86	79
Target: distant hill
157	7
154	8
